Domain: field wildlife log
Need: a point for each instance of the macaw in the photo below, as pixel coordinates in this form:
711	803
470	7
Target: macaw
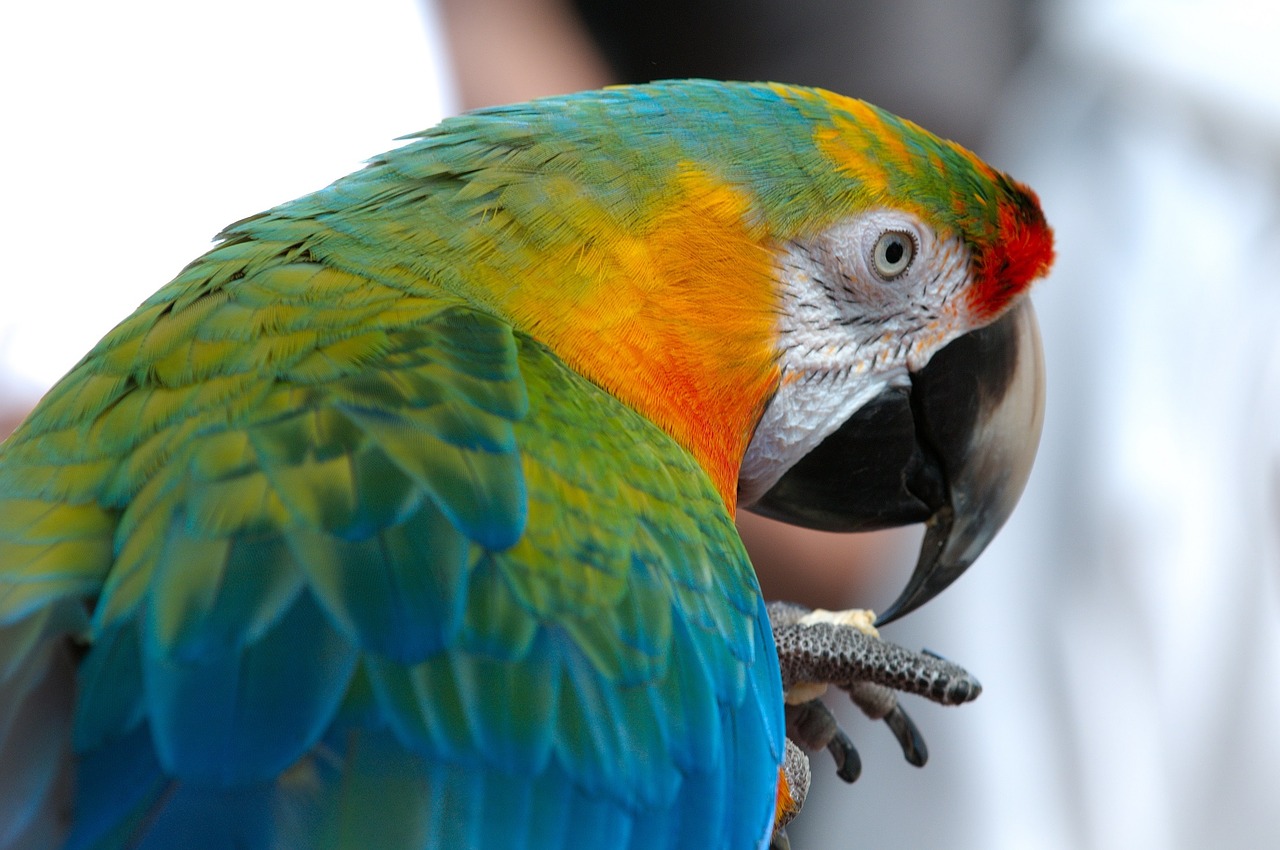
403	517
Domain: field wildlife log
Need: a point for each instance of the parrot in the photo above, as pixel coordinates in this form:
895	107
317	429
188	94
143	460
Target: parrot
404	516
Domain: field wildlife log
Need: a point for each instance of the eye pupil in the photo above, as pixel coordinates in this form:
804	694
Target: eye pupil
893	253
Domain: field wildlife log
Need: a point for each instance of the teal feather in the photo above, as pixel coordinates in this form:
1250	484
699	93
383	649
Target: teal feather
386	597
200	817
118	784
246	715
112	703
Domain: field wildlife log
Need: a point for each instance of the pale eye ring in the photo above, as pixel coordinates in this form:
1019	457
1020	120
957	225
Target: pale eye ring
893	253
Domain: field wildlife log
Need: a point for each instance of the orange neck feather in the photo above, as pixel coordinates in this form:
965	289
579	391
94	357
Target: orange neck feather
674	316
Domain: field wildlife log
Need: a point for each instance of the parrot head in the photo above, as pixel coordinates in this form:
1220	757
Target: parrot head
911	383
822	302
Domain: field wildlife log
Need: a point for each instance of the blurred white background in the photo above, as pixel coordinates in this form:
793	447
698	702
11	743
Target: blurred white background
1126	624
135	130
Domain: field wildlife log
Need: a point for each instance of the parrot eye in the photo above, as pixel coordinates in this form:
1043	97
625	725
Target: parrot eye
893	253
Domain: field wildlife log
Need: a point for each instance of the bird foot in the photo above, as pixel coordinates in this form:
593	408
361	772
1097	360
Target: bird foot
818	649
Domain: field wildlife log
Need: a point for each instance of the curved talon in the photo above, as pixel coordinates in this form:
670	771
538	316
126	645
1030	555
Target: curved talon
909	738
880	703
848	762
811	724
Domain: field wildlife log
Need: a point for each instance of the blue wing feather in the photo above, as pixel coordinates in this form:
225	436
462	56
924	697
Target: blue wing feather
247	715
449	641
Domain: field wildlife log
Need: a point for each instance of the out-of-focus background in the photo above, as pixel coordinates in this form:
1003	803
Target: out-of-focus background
1126	624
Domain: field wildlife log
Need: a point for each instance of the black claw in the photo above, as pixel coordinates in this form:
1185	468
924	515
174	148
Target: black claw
955	691
811	724
848	762
909	738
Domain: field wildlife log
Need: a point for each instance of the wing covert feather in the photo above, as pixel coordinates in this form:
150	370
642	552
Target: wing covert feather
399	552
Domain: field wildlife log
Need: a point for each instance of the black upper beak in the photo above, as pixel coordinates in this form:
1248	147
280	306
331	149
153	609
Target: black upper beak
952	448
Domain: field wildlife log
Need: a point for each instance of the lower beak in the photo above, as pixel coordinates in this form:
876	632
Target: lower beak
952	449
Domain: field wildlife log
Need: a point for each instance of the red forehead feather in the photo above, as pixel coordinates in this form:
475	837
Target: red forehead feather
1021	252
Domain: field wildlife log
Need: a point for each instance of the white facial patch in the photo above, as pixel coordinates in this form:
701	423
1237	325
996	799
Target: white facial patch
847	332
